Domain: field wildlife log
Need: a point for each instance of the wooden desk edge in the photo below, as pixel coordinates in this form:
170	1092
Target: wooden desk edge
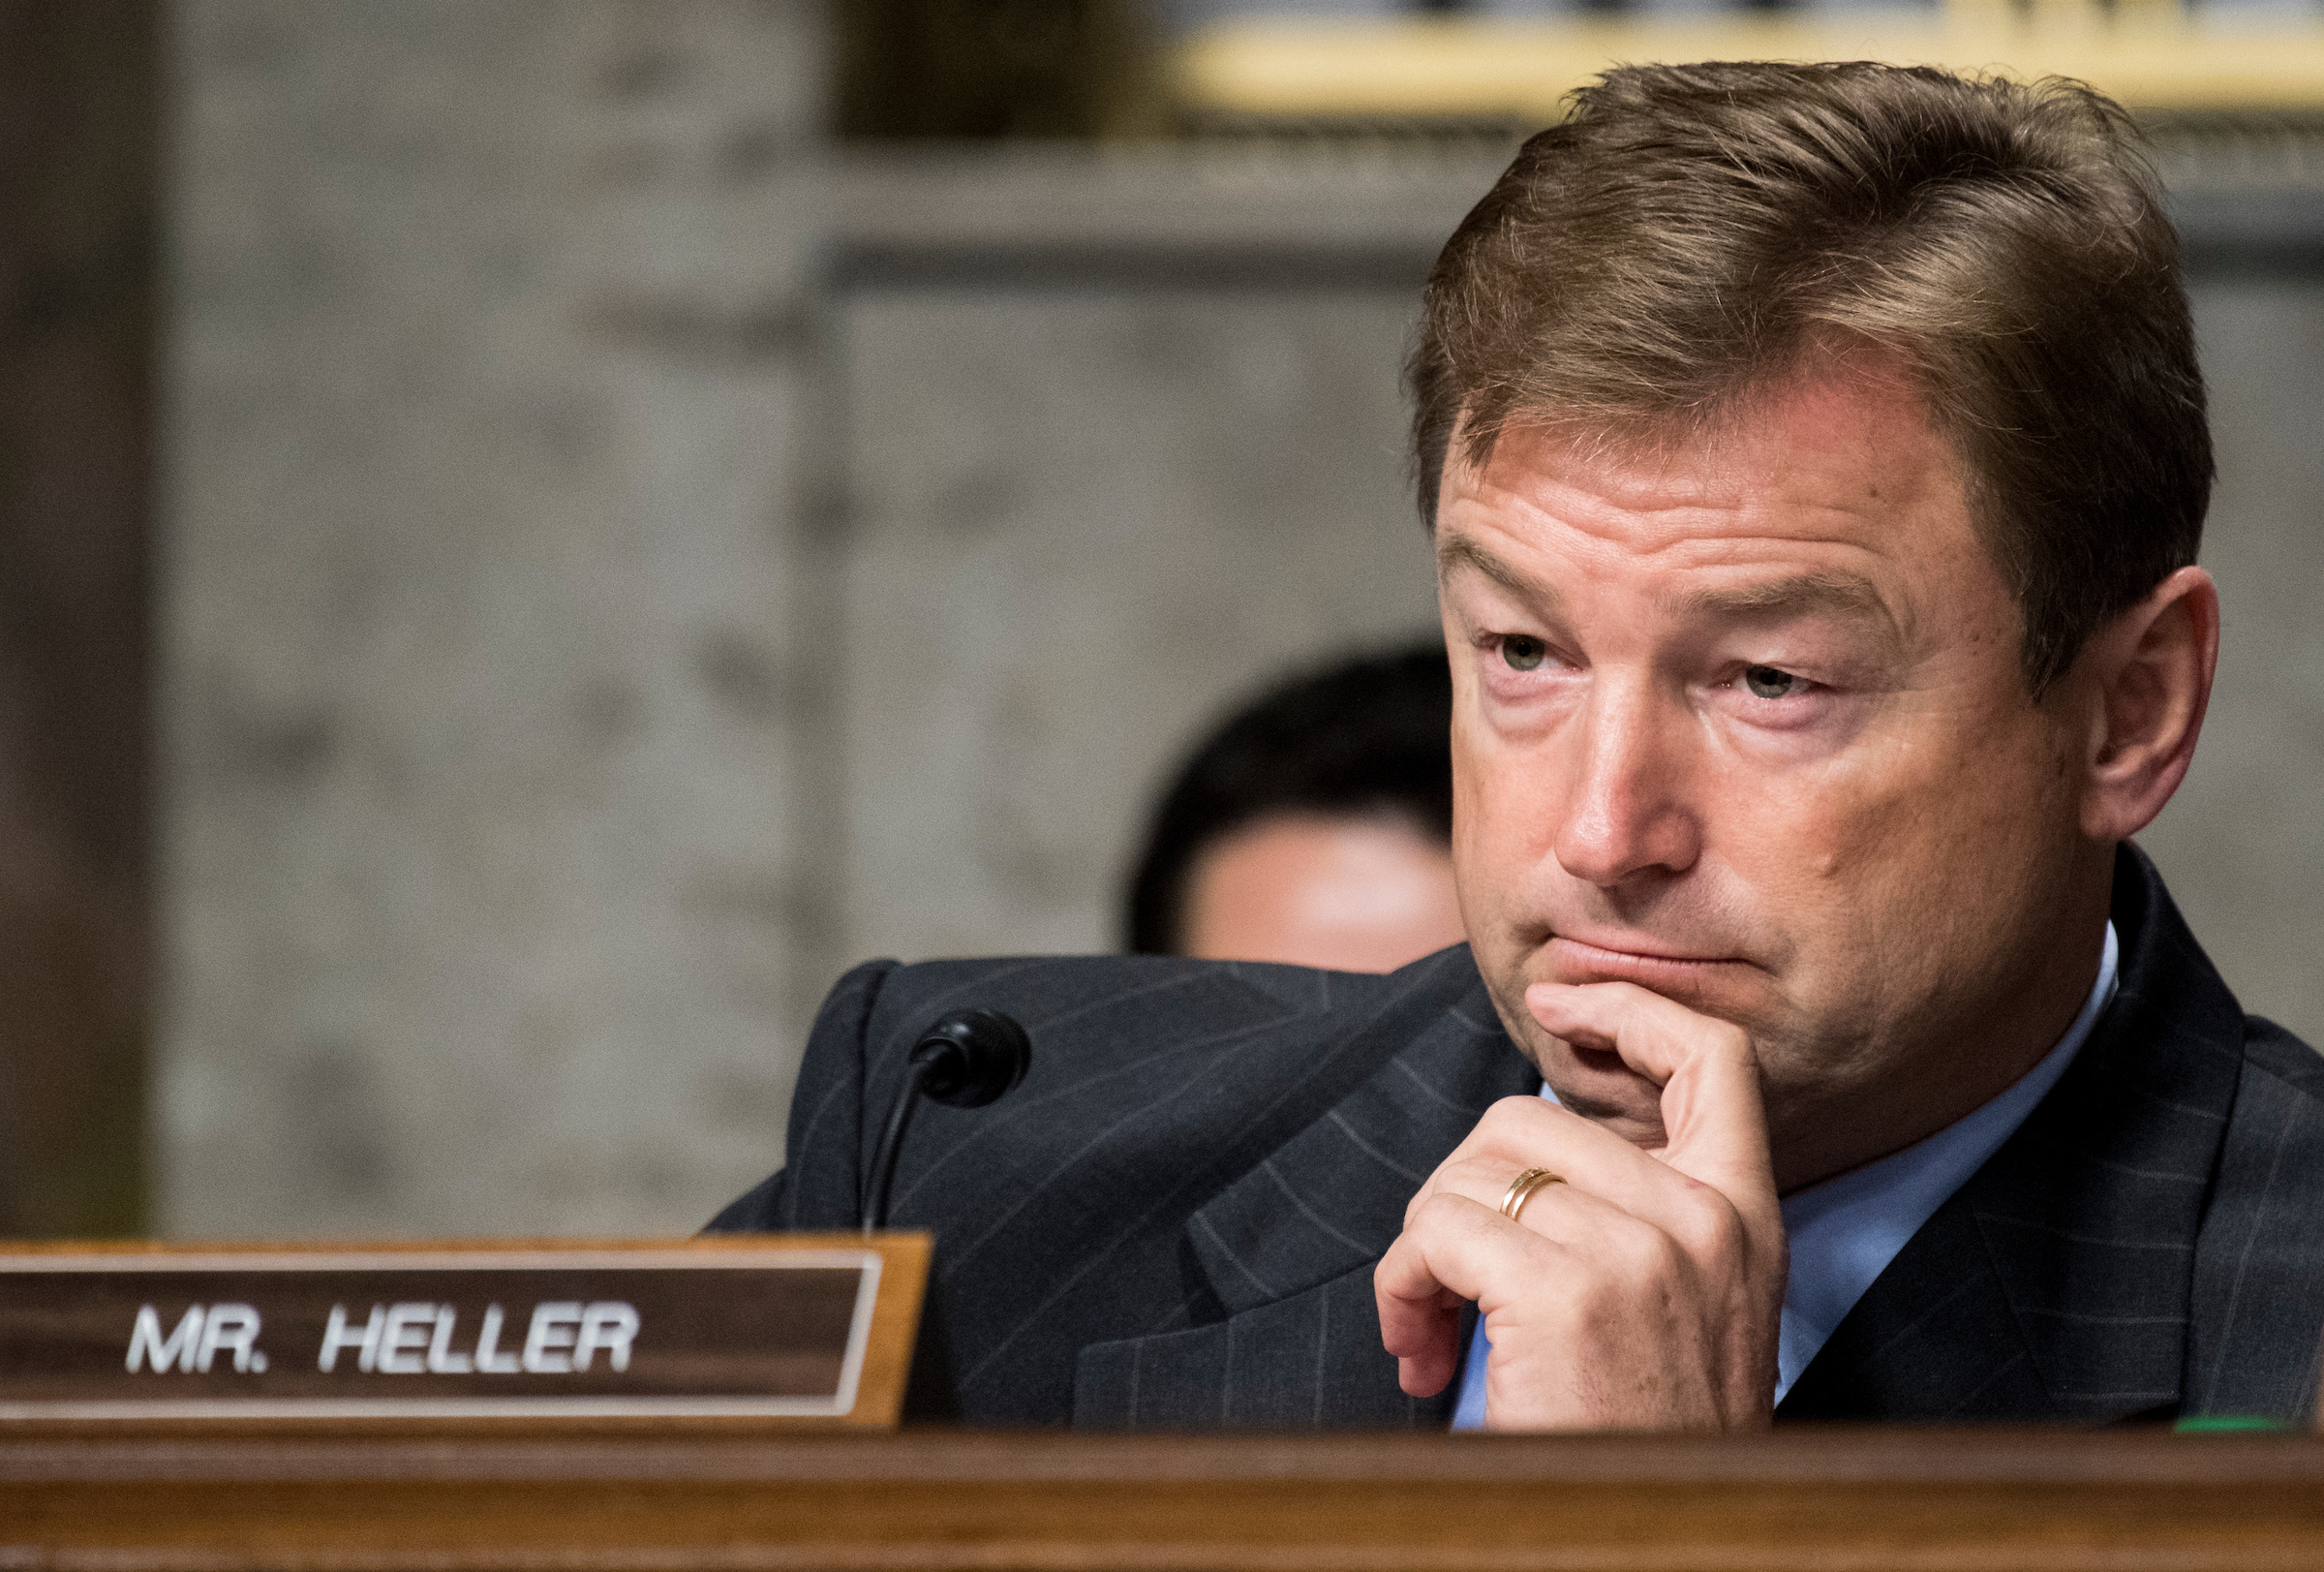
735	1449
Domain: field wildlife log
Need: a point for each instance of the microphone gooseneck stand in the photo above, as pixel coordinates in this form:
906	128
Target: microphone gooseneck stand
965	1060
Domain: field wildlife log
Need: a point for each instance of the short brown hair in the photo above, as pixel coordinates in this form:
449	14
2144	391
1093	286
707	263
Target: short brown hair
1690	232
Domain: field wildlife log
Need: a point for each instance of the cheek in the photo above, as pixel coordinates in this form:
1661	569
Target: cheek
1894	847
1472	857
1497	819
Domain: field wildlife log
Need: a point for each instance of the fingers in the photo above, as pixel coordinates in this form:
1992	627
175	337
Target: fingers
1452	1253
1713	1119
1597	1166
1517	1133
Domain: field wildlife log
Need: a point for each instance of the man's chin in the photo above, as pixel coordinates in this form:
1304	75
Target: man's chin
1604	1090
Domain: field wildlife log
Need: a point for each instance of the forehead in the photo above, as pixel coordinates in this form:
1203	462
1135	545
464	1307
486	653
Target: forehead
1838	476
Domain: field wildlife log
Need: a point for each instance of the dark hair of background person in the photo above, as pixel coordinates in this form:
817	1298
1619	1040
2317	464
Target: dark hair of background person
1691	234
1367	736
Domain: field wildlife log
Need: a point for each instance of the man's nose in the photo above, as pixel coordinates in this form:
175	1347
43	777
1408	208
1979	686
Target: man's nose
1629	814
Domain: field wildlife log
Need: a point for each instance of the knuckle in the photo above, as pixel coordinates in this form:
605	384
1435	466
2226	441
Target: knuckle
1439	1211
1508	1115
1643	1253
1712	1230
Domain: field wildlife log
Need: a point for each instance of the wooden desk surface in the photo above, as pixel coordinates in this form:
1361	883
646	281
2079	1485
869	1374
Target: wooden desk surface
1901	1500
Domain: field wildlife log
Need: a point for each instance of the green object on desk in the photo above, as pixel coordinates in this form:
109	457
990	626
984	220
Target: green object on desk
2209	1423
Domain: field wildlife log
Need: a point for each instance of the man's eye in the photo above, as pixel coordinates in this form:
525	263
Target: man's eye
1766	682
1522	653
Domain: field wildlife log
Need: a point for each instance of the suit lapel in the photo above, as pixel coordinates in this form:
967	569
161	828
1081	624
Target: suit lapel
1331	1198
1287	1251
1932	1338
2056	1283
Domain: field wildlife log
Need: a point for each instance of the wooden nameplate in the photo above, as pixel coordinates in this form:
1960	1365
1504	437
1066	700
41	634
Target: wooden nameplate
810	1329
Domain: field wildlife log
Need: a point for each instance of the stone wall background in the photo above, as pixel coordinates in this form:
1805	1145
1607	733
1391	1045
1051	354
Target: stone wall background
1085	522
478	719
596	609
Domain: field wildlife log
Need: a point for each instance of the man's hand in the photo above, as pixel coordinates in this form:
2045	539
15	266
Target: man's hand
1644	1291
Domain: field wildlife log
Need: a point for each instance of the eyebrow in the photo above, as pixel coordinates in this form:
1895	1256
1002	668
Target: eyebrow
1845	596
1459	551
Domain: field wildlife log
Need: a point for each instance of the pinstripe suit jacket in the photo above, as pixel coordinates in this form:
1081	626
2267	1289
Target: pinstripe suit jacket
1173	1220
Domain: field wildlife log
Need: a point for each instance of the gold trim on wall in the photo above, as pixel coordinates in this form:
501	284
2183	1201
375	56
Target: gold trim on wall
2150	55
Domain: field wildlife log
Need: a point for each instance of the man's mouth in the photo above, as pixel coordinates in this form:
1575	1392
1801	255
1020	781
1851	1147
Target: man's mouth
1631	958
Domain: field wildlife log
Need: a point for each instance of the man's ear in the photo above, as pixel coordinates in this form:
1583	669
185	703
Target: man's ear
2152	666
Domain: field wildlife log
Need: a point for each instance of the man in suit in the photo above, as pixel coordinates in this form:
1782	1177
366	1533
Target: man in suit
1816	461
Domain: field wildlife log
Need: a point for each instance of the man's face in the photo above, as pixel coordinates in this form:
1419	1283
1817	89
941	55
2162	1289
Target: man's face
1741	719
1344	892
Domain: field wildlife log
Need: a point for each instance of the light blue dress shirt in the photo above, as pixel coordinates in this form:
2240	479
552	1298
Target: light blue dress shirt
1845	1231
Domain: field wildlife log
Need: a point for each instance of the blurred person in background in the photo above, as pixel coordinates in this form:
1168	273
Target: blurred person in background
1314	827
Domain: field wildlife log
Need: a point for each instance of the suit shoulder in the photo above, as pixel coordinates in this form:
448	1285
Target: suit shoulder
1105	1004
1112	1022
2275	1141
2271	1051
2258	1294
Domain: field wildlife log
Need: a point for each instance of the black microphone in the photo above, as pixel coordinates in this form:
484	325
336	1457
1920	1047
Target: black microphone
965	1060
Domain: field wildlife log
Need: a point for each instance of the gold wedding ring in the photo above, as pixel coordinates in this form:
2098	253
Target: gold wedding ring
1522	1189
